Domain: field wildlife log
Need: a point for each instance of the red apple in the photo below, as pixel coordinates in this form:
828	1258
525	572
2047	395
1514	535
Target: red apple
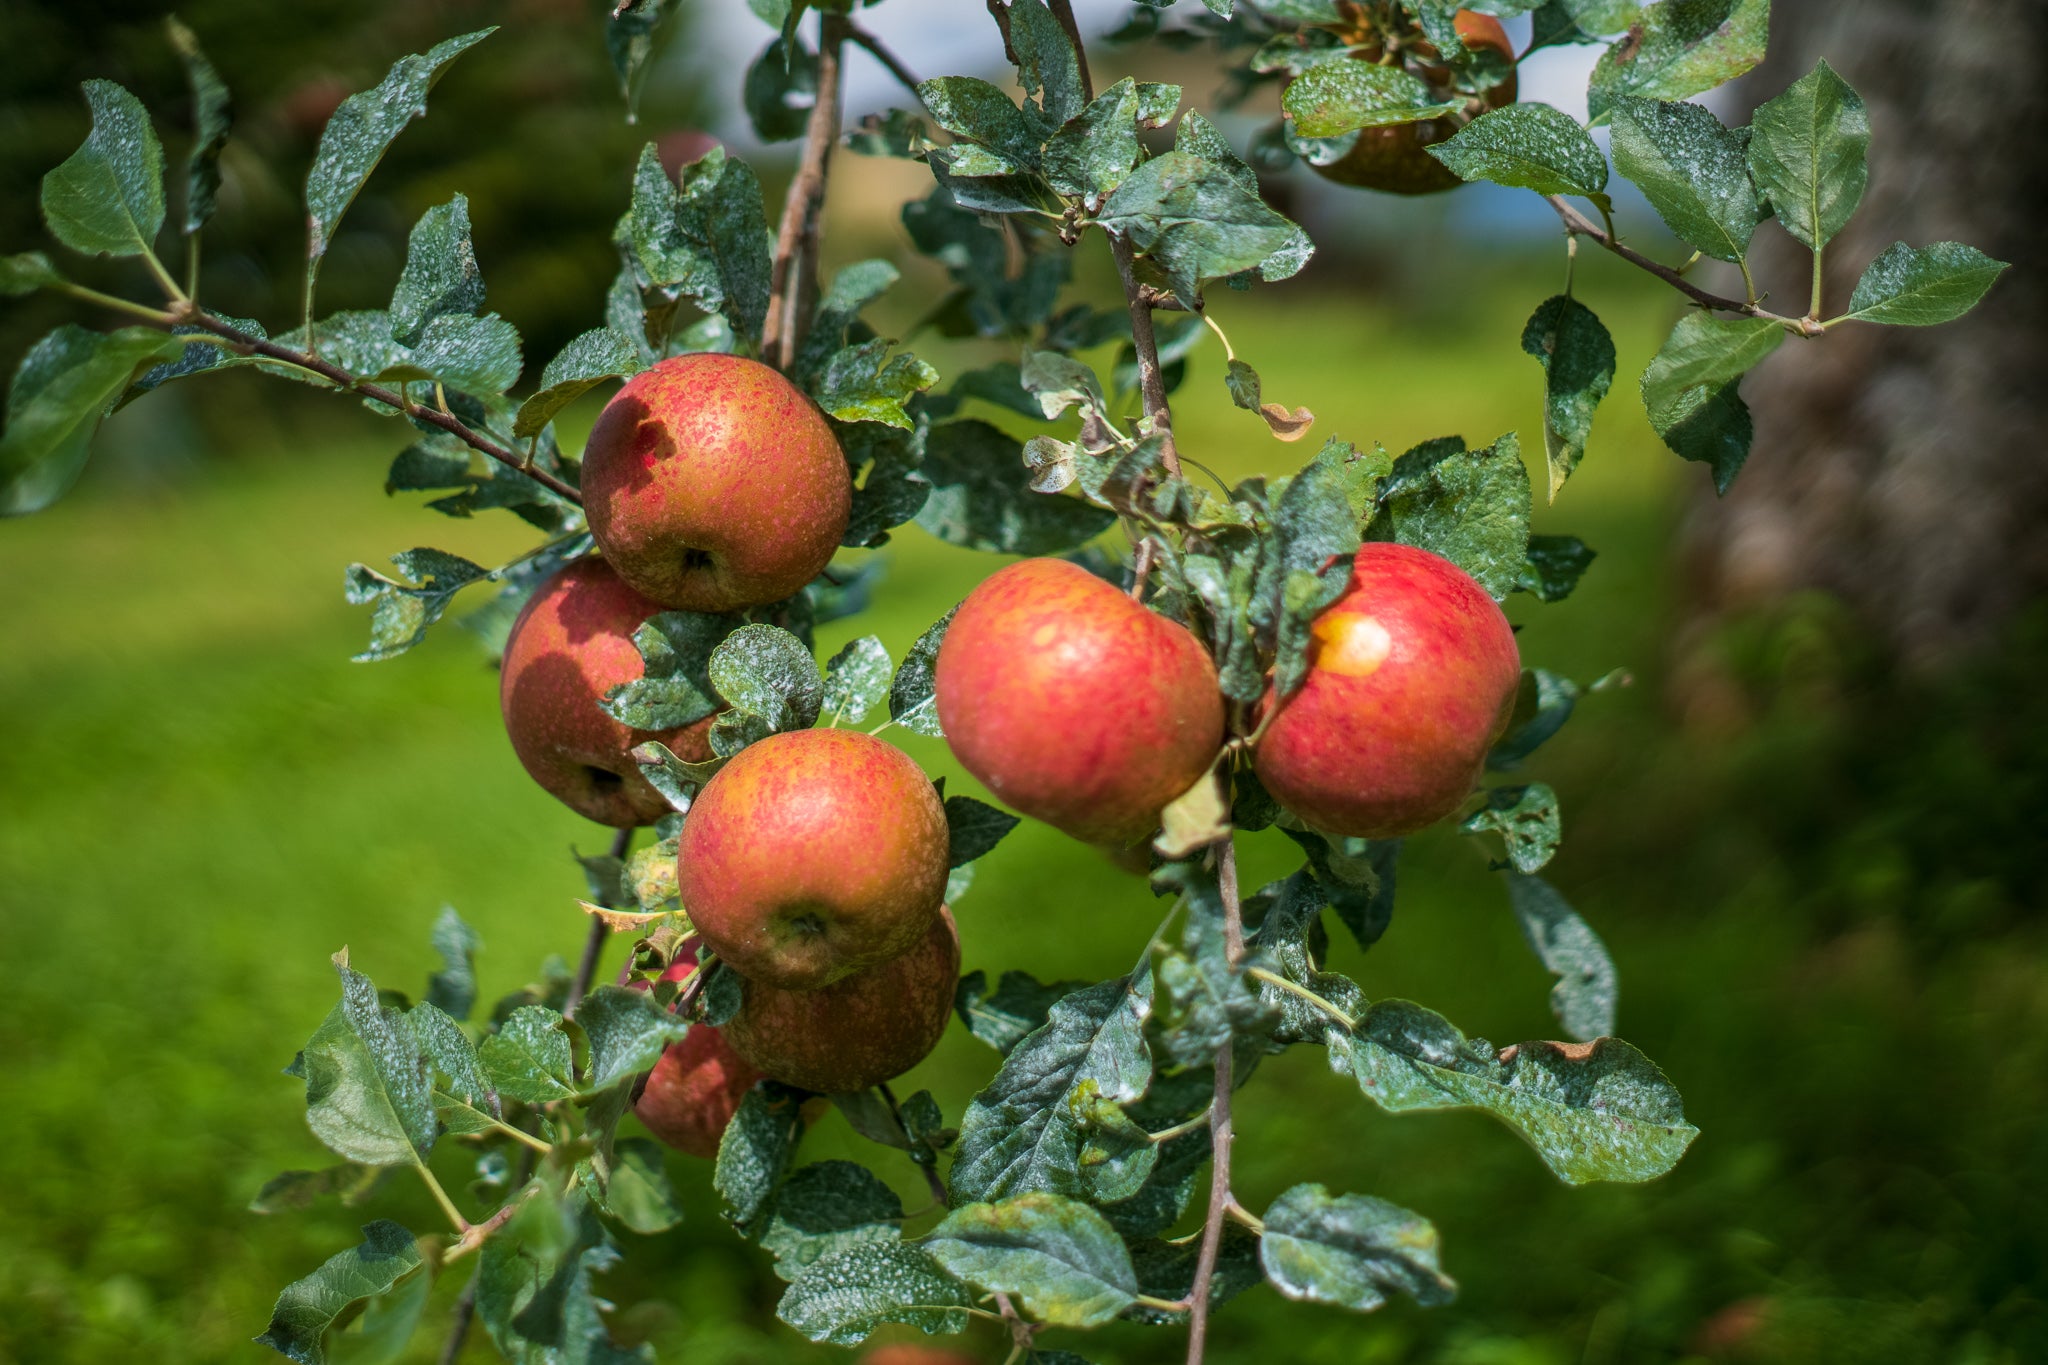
572	643
1412	677
908	1353
1395	159
865	1029
696	1087
811	855
712	483
1074	704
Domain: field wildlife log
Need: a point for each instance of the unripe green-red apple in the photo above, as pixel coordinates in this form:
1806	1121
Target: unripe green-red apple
1412	677
813	854
871	1027
712	483
1395	159
1074	704
572	643
696	1087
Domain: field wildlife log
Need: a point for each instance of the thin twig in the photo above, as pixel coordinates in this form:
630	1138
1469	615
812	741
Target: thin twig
1579	225
1021	1331
593	943
873	45
1220	1198
1141	569
245	344
793	279
465	1312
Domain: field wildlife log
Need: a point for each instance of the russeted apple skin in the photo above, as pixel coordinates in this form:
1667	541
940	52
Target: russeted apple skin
1412	677
1074	704
696	1087
1395	159
571	644
712	483
868	1028
813	854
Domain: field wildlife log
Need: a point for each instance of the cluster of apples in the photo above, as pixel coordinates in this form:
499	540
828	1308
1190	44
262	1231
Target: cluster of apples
814	863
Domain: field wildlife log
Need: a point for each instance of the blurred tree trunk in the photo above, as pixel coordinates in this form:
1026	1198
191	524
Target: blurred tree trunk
1901	469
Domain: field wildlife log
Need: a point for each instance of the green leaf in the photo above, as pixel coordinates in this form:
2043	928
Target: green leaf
1099	147
213	114
1021	1133
387	1324
1470	506
1358	877
864	384
856	681
629	39
107	198
1694	172
362	130
627	1031
367	1091
1919	286
913	691
63	387
1351	1250
1577	356
637	1191
474	355
1017	1006
1554	567
1592	1111
533	1283
352	1180
1305	565
1679	49
403	610
1340	97
765	672
981	496
1542	706
842	1297
1062	1259
826	1208
971	108
441	273
453	988
893	491
708	238
449	1052
1583	998
973	828
1526	146
754	1155
675	689
1808	151
587	361
308	1309
853	288
1060	382
1047	65
1196	221
1201	999
26	272
1527	821
1689	389
528	1057
780	90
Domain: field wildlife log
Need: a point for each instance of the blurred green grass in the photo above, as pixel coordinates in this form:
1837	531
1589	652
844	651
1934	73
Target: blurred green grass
201	799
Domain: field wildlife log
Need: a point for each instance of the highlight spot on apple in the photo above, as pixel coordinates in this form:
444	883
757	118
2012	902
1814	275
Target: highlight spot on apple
1350	644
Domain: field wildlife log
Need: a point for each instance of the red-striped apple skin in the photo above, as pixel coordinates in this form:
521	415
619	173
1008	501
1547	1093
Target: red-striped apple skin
865	1029
712	483
571	644
811	855
1075	705
1412	677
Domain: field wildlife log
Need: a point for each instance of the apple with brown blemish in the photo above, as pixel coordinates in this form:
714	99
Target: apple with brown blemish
1412	678
712	483
811	855
859	1031
572	643
1074	704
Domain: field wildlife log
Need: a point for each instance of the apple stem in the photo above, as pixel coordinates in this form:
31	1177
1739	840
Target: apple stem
793	279
593	943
